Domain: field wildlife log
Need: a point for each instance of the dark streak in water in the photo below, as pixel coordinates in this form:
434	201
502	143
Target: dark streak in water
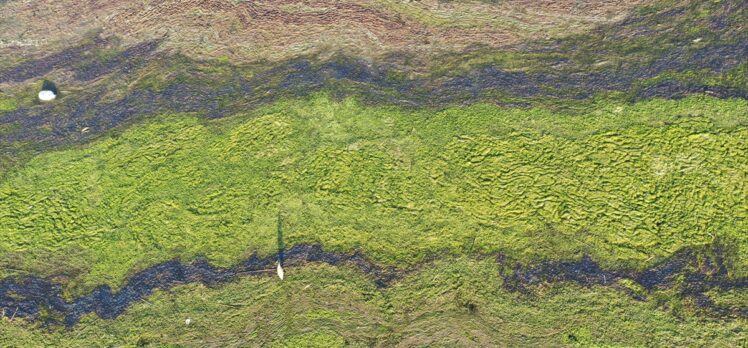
60	123
49	126
27	297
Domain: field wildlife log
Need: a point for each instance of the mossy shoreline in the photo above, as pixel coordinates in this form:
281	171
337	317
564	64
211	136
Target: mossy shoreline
690	273
455	302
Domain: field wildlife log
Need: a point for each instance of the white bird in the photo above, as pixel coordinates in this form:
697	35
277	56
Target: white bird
46	95
280	271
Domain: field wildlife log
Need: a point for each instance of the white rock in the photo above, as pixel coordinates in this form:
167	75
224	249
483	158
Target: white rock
696	40
188	321
47	96
280	271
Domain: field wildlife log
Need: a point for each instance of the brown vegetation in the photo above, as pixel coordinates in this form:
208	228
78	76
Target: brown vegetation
278	30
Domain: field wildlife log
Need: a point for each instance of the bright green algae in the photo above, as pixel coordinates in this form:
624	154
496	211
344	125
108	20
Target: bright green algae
628	184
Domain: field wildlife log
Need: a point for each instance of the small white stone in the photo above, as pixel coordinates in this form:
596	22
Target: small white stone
47	96
188	321
697	40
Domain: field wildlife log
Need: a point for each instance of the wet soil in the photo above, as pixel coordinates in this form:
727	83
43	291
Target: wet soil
29	297
45	126
60	123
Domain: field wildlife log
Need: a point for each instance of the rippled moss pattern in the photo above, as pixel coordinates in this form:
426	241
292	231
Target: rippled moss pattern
628	184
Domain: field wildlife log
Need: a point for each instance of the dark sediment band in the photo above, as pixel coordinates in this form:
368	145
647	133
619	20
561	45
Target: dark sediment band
558	75
27	297
344	77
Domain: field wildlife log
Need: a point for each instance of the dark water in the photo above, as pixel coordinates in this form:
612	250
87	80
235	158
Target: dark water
690	275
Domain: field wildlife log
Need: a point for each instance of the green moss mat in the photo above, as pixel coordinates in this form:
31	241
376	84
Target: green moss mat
452	303
7	104
627	184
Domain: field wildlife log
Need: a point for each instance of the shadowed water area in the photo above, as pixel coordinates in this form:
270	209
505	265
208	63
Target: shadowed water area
60	123
691	276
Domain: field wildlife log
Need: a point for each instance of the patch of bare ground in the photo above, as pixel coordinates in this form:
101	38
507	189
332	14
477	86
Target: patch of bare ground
277	30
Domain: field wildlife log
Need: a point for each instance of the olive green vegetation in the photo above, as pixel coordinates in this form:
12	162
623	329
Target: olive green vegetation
655	30
628	184
7	104
691	25
735	78
13	153
451	303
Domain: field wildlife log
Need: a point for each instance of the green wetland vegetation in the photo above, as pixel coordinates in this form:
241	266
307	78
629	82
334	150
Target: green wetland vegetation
451	303
589	190
628	184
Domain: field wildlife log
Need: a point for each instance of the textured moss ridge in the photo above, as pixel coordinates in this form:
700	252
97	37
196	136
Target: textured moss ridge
581	170
627	184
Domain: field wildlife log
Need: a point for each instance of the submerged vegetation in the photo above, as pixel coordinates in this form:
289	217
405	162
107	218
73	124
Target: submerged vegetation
587	187
458	302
